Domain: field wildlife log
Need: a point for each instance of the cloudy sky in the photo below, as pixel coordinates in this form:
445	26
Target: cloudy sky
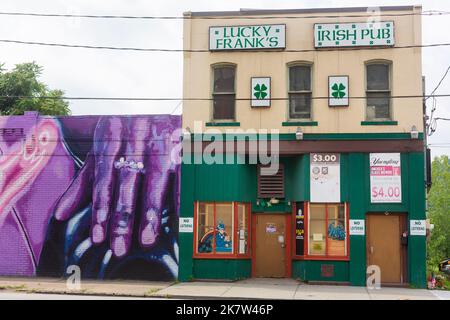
85	72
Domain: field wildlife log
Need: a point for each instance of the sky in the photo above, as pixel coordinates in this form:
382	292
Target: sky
85	72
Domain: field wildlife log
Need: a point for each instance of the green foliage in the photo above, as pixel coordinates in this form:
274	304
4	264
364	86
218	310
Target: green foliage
23	80
439	212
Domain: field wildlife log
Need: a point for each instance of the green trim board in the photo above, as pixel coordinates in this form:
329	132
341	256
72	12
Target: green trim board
379	123
300	124
310	136
223	124
306	136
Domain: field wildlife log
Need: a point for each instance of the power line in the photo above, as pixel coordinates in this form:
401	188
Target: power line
198	99
251	15
208	51
445	119
440	82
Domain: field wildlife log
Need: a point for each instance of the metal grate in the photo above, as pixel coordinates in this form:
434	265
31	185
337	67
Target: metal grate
271	185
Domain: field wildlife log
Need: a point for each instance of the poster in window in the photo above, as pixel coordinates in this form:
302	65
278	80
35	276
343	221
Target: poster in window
325	177
385	178
299	230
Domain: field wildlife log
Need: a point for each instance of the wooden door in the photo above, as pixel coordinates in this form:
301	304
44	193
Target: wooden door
270	244
384	247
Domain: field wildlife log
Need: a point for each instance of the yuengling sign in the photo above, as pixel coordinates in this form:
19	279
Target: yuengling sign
354	34
269	36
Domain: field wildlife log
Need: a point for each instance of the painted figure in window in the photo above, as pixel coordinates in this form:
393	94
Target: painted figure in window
336	231
205	243
223	240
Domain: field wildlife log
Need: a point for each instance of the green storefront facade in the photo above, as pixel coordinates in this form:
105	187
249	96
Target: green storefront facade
210	183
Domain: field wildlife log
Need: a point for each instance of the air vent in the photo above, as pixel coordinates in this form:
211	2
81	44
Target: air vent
271	185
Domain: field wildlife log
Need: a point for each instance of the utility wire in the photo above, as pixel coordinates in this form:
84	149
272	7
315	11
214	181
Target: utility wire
238	15
208	51
194	99
440	82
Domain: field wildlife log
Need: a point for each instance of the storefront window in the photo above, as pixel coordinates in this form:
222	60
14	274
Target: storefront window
242	232
317	230
224	228
327	227
205	230
217	232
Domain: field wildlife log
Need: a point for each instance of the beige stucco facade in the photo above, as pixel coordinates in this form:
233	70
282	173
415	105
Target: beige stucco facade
406	71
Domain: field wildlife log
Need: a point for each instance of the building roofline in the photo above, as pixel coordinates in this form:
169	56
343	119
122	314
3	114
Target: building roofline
252	12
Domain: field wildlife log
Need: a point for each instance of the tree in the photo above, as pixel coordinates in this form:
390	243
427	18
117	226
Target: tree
439	211
23	81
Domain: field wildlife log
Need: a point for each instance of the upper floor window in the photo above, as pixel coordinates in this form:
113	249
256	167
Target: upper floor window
378	91
300	92
224	92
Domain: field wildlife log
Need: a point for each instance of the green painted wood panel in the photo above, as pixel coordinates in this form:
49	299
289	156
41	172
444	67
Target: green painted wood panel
231	269
308	270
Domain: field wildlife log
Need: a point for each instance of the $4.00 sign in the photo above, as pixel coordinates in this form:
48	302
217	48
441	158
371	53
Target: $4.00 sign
385	178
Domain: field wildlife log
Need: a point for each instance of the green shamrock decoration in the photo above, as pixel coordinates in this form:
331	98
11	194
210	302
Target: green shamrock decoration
338	91
260	91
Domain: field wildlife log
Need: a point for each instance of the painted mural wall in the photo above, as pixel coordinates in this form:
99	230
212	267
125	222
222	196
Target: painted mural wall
99	192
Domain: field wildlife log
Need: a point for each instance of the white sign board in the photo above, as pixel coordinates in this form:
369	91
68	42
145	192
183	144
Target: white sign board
366	34
385	178
260	92
325	177
357	227
186	225
257	37
418	227
338	91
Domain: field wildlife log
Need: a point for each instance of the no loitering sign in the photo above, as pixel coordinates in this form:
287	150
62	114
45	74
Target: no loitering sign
418	227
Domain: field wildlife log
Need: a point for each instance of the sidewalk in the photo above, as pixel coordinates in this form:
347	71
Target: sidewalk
125	288
244	289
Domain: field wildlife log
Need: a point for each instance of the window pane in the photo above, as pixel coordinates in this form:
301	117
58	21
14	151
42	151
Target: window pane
378	77
300	78
300	105
205	227
242	231
224	107
336	230
224	79
317	230
224	228
378	105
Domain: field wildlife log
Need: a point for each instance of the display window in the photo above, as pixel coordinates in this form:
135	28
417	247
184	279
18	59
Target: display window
321	231
222	229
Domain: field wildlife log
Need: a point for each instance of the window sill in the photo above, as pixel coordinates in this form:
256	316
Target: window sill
379	123
300	124
223	124
323	258
224	256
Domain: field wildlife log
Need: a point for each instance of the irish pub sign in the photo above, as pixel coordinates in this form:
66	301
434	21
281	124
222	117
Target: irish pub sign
367	34
256	37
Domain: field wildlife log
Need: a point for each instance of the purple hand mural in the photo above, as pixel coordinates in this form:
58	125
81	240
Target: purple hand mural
112	177
118	171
